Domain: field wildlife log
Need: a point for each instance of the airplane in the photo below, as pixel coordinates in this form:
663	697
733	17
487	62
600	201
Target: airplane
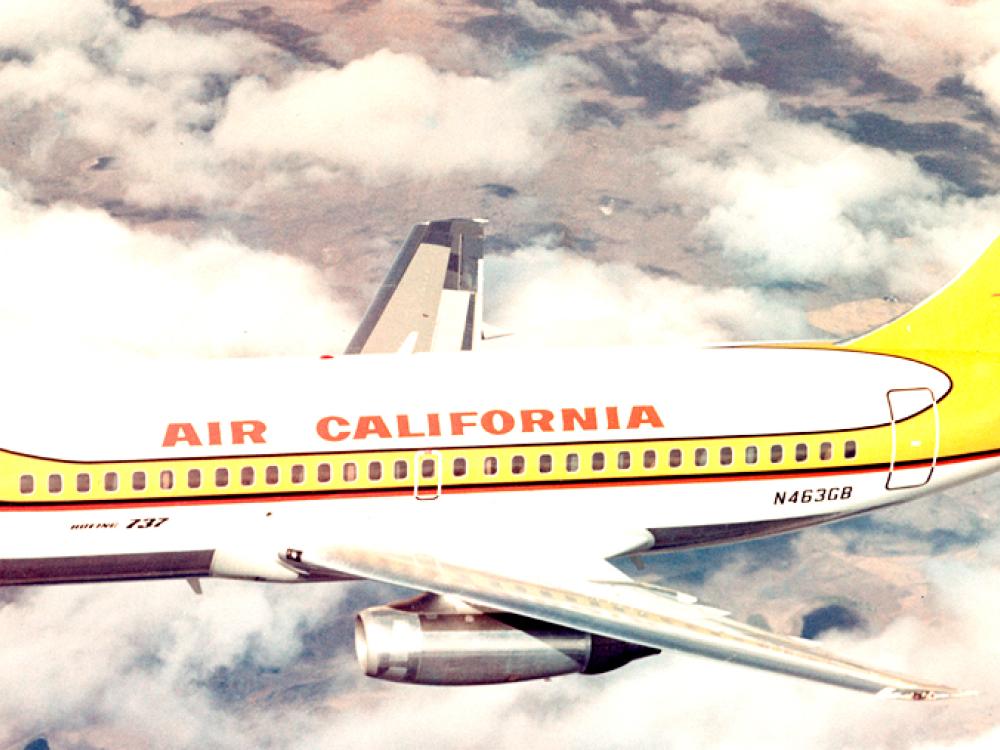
501	486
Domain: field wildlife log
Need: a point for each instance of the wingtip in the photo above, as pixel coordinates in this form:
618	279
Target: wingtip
925	694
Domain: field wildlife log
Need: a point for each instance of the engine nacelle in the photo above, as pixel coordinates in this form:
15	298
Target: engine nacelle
430	640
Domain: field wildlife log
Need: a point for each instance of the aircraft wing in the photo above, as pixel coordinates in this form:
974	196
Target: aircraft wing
430	299
585	592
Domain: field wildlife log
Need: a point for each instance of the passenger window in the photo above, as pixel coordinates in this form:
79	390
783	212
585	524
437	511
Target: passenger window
246	476
676	457
111	481
597	462
726	456
83	482
323	473
850	449
750	454
194	478
459	467
166	479
649	460
27	484
138	480
701	457
777	453
350	472
55	483
428	468
222	477
825	451
400	469
374	470
298	473
545	463
490	466
801	452
624	460
517	465
572	462
271	475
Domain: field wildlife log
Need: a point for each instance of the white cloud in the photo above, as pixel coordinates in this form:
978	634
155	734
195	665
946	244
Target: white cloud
390	114
688	44
923	39
986	78
929	37
554	298
76	282
138	659
158	99
577	23
793	201
143	95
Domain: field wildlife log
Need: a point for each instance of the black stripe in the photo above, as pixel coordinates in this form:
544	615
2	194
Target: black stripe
189	564
688	537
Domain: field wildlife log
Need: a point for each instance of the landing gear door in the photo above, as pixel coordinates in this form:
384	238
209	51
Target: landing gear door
427	475
915	439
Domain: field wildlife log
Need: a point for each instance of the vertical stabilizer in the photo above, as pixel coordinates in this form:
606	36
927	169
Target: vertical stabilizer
429	299
964	316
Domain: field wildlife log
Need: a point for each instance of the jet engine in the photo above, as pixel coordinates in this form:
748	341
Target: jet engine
433	640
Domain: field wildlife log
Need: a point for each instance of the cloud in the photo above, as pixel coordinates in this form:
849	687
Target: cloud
75	282
146	95
198	118
139	660
928	37
554	298
390	114
797	202
986	78
688	44
577	23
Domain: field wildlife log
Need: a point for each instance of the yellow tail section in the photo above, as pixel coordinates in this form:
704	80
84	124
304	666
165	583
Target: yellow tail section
964	316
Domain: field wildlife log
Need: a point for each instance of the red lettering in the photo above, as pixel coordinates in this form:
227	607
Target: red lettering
178	432
323	428
531	418
460	420
249	429
572	417
490	422
433	425
644	415
214	434
612	412
403	423
371	426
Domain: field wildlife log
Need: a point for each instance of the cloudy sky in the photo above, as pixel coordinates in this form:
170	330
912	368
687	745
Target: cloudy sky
198	178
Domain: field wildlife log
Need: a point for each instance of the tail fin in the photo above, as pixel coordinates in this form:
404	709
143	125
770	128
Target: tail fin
430	299
962	316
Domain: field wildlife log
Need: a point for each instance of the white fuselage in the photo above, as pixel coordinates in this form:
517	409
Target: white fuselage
540	418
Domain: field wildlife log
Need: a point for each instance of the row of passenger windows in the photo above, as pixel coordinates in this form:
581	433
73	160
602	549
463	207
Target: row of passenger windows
428	468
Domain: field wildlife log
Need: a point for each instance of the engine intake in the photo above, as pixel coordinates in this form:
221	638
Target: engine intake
430	640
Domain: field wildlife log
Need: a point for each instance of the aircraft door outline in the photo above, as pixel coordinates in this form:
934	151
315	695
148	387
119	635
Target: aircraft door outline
911	412
427	474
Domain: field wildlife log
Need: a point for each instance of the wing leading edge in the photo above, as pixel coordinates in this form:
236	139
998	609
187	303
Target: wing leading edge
606	602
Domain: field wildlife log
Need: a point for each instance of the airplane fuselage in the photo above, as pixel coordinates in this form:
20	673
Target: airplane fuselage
192	469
